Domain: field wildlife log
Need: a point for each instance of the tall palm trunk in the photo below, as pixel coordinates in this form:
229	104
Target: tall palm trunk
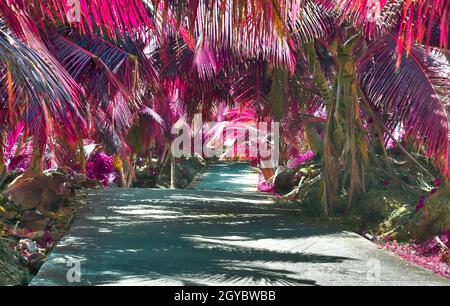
345	153
162	163
329	187
345	140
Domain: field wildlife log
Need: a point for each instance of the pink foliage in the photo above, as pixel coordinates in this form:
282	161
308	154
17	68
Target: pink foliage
428	254
19	163
420	204
300	158
264	186
100	167
22	160
437	182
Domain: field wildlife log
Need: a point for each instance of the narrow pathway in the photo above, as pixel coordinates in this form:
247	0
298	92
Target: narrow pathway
228	177
215	237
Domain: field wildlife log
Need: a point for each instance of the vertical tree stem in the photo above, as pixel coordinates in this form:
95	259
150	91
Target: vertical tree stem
172	171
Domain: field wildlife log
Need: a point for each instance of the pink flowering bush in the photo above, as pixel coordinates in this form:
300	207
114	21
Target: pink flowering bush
264	186
100	167
300	158
19	163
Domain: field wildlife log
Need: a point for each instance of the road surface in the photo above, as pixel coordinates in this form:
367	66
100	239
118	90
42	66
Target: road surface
208	236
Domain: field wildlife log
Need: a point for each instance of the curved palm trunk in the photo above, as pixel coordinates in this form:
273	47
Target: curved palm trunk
345	151
328	186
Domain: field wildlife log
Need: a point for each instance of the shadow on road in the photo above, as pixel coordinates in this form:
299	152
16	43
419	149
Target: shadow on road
185	237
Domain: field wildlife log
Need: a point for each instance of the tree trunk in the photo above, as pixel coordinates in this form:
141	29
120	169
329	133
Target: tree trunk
329	183
37	162
82	157
345	133
172	171
118	166
128	170
2	151
345	153
162	164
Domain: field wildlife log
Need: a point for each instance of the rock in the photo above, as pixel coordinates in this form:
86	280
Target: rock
36	257
285	181
368	236
42	192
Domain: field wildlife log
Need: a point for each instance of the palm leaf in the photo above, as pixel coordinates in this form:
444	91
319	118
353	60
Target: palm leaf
111	78
412	20
95	64
416	96
109	16
41	90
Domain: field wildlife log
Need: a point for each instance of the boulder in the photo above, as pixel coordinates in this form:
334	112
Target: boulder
285	180
42	192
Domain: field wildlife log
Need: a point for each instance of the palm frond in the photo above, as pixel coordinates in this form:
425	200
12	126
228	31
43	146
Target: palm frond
109	16
40	90
416	96
95	64
414	21
310	21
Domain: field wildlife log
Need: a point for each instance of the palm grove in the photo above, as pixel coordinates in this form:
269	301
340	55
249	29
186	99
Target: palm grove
123	71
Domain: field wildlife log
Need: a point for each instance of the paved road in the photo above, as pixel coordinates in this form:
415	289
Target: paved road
212	237
227	177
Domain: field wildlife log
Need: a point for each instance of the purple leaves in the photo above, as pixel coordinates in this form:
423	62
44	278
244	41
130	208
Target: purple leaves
100	167
94	63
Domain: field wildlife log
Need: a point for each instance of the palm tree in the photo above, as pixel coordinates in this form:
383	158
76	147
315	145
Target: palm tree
372	73
103	77
38	91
